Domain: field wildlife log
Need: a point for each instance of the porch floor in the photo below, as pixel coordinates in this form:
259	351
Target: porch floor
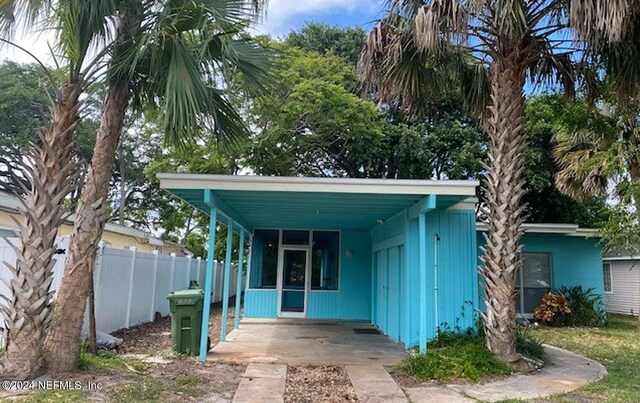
291	341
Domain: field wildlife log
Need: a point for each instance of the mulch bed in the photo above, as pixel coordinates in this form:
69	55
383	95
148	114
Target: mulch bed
318	383
155	337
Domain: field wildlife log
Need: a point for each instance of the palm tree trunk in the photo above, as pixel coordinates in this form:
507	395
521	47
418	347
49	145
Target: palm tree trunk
52	174
504	190
62	346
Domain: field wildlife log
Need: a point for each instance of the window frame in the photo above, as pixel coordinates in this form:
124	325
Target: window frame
521	287
604	283
309	246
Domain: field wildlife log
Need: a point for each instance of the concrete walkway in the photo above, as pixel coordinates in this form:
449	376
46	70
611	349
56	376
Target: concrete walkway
307	342
564	372
262	383
372	383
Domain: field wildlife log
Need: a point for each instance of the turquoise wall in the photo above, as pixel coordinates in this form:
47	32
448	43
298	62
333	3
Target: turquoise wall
574	260
353	299
456	272
261	303
351	302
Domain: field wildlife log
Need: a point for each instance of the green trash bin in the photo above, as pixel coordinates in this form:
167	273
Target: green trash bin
186	320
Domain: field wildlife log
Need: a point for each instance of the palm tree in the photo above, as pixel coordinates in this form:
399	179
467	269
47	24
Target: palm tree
50	169
512	41
169	58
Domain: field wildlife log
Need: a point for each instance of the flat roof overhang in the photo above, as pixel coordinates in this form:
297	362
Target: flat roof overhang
321	203
551	228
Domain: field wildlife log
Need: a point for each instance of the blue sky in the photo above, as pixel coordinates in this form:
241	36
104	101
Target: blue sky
286	15
282	17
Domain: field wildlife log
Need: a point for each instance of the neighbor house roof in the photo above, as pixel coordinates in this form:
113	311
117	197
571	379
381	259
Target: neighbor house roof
548	228
297	202
11	204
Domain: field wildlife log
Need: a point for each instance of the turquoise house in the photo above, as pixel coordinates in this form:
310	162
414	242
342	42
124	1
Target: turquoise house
400	254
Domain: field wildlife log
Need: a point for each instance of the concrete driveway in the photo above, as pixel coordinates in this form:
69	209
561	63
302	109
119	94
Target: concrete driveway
287	341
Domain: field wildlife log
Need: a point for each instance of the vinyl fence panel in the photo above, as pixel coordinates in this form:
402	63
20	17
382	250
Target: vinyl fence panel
130	286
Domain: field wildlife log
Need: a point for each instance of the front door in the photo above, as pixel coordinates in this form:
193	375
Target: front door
293	274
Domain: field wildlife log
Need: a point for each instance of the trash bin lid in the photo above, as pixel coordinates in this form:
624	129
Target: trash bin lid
186	297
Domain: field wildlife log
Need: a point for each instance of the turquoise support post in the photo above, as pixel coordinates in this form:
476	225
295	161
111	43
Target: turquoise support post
236	318
422	240
225	284
208	284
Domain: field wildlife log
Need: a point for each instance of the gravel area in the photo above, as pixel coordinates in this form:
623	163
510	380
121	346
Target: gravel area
318	383
155	337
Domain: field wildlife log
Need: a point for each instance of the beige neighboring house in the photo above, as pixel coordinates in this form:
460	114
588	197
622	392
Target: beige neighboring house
115	235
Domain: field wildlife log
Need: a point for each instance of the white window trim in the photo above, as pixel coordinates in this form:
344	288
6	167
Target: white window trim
610	278
280	245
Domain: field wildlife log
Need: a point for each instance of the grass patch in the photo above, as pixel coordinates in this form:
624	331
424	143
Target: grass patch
455	356
188	385
106	361
529	346
56	396
616	346
143	389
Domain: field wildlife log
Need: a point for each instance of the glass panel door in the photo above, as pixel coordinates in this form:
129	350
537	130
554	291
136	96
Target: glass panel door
294	280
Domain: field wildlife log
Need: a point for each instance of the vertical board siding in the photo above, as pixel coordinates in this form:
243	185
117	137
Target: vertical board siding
624	297
391	228
394	294
260	303
457	268
457	271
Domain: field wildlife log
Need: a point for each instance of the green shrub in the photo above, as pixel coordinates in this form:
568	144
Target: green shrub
528	346
587	308
453	355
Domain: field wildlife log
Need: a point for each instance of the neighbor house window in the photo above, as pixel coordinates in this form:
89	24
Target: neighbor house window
533	281
264	267
606	271
325	260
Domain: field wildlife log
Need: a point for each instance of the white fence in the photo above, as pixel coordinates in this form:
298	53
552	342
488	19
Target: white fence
130	286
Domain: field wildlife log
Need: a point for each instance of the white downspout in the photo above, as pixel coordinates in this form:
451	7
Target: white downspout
436	239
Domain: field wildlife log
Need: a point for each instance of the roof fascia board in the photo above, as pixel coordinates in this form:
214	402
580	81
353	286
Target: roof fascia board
327	185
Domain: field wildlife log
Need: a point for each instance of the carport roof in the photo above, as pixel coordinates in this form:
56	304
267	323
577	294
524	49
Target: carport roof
296	202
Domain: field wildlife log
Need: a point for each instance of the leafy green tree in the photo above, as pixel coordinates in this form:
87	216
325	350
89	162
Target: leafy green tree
544	118
345	43
316	126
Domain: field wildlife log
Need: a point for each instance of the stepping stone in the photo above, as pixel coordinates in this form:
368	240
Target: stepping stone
262	383
436	394
372	383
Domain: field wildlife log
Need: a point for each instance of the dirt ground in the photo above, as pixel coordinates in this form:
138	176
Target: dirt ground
318	383
144	369
155	337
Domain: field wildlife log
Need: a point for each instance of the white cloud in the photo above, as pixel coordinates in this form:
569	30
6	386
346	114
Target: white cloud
281	14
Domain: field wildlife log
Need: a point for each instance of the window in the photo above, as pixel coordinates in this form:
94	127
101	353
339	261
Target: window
291	237
264	267
533	281
606	271
325	260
